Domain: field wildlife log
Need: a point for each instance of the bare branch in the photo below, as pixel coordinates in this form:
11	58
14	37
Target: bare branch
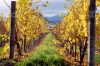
7	4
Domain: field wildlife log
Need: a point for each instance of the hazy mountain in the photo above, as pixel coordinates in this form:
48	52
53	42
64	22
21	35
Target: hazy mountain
55	19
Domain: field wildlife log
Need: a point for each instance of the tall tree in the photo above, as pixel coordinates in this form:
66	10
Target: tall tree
91	53
12	30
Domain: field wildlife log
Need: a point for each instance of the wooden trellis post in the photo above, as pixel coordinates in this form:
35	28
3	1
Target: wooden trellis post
12	30
91	46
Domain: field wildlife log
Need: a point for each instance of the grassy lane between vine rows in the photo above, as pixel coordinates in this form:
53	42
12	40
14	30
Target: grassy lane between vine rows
45	55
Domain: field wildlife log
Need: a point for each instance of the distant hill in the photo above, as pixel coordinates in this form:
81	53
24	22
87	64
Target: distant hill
54	19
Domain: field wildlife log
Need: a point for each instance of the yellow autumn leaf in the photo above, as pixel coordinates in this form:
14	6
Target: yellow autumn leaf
6	47
37	1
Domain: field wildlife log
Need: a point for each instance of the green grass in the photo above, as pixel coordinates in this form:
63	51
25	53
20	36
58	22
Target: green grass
45	55
97	57
7	62
1	49
98	47
1	52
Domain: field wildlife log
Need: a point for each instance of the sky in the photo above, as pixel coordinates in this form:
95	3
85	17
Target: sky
55	8
4	8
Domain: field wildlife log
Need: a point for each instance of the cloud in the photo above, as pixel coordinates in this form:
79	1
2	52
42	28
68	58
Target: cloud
57	1
56	7
4	8
49	15
52	1
63	11
98	9
53	11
